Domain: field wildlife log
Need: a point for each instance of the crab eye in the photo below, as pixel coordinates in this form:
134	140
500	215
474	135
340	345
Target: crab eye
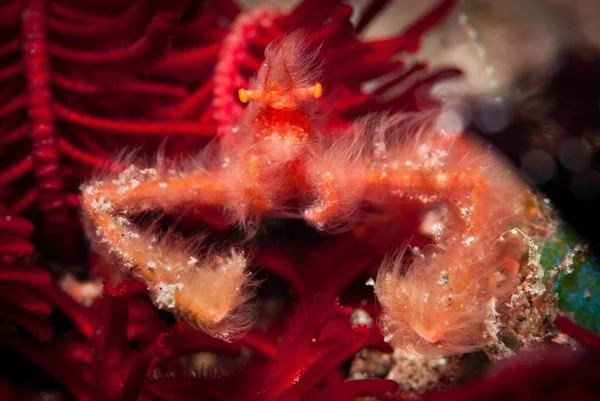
243	96
318	91
246	96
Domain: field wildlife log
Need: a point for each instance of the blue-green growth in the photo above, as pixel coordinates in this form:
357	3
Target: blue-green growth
578	292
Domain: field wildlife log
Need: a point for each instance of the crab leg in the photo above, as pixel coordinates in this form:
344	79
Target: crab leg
210	292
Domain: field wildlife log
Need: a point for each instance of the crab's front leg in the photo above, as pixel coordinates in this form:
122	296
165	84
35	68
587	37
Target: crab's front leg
334	177
248	193
327	204
141	189
209	291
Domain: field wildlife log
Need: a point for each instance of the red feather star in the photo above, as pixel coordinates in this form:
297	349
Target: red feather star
80	81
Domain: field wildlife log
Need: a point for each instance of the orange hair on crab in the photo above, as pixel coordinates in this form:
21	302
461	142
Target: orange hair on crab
287	77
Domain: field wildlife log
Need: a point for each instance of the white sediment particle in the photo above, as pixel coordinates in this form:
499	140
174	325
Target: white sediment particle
361	317
164	296
370	282
192	261
436	159
437	230
466	211
441	178
424	149
102	204
95	204
469	240
383	171
379	150
123	221
128	261
148	172
234	262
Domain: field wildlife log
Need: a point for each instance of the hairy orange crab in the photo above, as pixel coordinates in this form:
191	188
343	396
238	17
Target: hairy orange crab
278	160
